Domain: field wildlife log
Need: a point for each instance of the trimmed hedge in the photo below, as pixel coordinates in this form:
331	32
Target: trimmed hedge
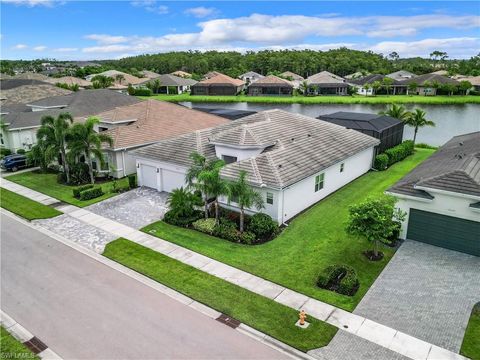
263	226
394	154
381	162
132	181
230	233
172	219
78	190
143	92
339	278
5	152
21	152
91	193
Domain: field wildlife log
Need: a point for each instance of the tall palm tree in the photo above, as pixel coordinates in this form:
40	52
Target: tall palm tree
304	87
417	120
396	111
119	78
53	132
245	196
84	140
214	184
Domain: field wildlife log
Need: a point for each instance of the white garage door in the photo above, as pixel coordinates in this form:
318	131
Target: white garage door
172	180
149	176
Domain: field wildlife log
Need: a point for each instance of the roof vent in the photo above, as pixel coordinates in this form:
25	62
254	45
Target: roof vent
460	143
292	139
280	166
309	135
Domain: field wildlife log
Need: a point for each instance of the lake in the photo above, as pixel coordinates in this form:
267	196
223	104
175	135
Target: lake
450	120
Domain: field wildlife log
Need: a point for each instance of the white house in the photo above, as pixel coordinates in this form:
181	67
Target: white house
291	159
442	197
250	77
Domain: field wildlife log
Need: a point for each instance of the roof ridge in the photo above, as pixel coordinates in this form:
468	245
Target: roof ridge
274	169
198	138
430	178
253	161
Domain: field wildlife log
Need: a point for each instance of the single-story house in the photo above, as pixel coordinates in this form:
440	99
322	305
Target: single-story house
181	73
396	88
292	160
250	77
271	85
474	80
145	123
24	91
149	74
326	83
356	75
170	84
218	85
442	197
211	74
121	80
71	80
383	127
295	79
230	114
426	83
401	75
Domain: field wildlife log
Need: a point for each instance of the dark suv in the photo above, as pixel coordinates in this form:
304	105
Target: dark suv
13	162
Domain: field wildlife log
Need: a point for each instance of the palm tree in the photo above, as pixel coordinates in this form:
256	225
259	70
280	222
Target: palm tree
182	202
84	140
397	112
387	84
304	87
244	195
40	155
214	184
412	87
376	85
417	120
119	78
367	87
53	132
102	81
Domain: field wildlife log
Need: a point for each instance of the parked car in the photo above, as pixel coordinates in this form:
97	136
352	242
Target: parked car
13	162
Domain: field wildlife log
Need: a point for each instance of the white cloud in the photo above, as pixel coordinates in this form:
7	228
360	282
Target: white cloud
20	46
32	3
40	48
65	49
107	49
106	39
151	6
201	11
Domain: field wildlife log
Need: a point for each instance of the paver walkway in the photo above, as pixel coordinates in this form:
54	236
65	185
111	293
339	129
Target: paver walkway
360	326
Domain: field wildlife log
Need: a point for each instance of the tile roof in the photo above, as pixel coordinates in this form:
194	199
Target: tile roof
401	75
221	79
28	93
454	167
211	74
297	146
31	76
171	80
361	121
271	81
372	78
181	73
251	73
292	75
324	78
421	79
149	74
7	84
128	79
70	80
474	80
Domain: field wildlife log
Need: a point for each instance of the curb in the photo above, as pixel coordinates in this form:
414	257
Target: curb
25	336
191	303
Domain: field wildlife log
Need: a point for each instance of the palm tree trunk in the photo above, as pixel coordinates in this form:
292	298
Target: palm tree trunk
90	167
217	212
66	169
206	207
375	248
415	135
242	215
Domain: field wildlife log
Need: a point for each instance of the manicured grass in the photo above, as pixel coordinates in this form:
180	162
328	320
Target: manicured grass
25	207
471	341
47	184
11	348
356	99
312	241
254	310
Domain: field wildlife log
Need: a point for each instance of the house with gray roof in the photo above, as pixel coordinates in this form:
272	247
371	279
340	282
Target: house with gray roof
428	84
364	85
250	77
401	75
170	84
326	83
442	197
293	160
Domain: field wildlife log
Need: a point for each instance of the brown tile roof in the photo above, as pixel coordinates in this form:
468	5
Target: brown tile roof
292	75
222	79
28	93
70	80
155	121
31	76
181	73
272	80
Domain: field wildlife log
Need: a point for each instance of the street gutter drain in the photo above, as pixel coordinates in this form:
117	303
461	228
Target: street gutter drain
35	345
229	321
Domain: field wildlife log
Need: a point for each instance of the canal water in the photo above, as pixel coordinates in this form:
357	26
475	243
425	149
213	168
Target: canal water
450	120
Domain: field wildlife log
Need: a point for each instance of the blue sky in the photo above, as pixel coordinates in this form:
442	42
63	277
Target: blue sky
114	29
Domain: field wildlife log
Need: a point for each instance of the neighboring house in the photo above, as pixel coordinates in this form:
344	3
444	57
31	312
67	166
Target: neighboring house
149	74
356	75
440	72
171	84
396	87
474	80
23	120
230	114
71	80
211	74
442	197
385	128
181	73
27	93
426	83
401	75
218	85
121	80
31	76
292	160
250	77
271	85
326	83
295	79
145	123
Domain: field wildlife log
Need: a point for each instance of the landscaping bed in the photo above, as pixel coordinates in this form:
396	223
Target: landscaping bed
11	348
24	207
47	184
471	343
312	241
259	312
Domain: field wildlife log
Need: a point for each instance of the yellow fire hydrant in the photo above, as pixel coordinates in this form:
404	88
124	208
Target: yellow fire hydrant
302	315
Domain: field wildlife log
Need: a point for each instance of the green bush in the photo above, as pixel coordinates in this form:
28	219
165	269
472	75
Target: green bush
61	178
5	152
263	226
339	278
228	232
173	218
204	225
132	181
121	188
381	162
78	190
21	151
143	92
425	146
91	193
399	152
79	174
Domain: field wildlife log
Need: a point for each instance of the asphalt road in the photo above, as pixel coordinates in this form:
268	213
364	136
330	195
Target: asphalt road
83	309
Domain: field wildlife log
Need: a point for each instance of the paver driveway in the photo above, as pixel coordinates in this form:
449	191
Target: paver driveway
135	208
425	291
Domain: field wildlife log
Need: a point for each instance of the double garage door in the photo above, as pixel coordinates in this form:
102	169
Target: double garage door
161	180
444	231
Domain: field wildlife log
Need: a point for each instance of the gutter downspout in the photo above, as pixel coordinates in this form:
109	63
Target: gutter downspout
283	207
123	162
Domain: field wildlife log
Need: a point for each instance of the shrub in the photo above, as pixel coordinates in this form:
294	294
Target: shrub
21	151
381	162
143	92
122	188
132	181
78	190
79	174
228	232
425	146
399	152
5	151
174	218
91	193
61	178
339	278
204	225
263	226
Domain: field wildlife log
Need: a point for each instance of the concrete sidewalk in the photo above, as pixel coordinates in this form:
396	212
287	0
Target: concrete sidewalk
28	193
360	326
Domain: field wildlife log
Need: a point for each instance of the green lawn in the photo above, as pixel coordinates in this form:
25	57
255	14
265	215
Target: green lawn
312	241
47	184
25	207
11	348
254	310
356	99
471	340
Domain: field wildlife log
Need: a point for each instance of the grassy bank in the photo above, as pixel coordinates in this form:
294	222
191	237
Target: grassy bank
471	341
254	310
24	207
11	348
312	241
357	99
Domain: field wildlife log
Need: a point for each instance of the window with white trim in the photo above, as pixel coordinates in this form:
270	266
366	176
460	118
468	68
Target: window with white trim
319	181
342	167
270	198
